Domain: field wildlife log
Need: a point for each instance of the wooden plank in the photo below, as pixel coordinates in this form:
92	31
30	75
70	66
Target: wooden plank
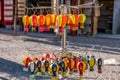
95	25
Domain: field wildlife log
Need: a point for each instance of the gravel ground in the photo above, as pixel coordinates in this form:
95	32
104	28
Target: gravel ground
13	49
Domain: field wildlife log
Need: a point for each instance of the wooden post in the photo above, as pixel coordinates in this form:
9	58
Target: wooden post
95	18
64	35
15	16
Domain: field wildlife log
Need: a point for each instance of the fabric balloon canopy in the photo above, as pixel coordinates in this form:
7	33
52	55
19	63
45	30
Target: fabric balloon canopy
25	20
82	18
33	20
41	20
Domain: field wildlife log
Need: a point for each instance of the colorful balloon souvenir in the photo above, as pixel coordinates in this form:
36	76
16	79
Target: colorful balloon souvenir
53	16
26	23
32	68
71	65
39	67
59	20
92	63
80	67
62	68
26	61
48	20
46	66
33	22
53	71
82	19
76	59
99	62
41	22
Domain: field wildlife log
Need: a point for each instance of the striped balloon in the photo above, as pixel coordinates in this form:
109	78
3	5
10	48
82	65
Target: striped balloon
26	23
82	19
53	16
59	20
48	19
72	19
25	20
76	18
41	20
64	21
33	20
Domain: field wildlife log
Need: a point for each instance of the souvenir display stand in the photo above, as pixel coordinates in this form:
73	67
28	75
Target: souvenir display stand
64	63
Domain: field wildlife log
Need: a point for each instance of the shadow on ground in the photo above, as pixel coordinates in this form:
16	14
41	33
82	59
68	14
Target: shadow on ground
14	70
56	43
11	68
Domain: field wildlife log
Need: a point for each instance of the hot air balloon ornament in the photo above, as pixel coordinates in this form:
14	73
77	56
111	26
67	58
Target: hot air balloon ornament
26	61
33	22
26	23
75	22
82	19
62	68
46	65
99	63
41	22
85	63
39	67
80	66
71	64
48	21
53	69
53	23
76	59
61	22
32	68
92	63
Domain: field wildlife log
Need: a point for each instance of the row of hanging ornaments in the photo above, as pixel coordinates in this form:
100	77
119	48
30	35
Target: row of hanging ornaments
53	65
46	22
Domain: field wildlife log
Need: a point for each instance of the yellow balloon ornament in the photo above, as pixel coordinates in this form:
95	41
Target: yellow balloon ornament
82	19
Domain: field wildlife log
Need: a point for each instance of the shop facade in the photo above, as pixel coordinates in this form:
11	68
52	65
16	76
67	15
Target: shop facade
105	20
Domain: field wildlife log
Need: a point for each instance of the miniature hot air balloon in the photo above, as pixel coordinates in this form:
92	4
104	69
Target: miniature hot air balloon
76	59
26	61
41	22
32	68
53	71
71	64
85	63
75	26
62	68
64	21
46	65
48	20
92	63
26	23
53	23
33	22
82	19
80	68
39	67
99	63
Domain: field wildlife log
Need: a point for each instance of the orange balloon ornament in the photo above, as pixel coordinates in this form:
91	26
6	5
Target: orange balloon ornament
26	23
41	22
75	25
